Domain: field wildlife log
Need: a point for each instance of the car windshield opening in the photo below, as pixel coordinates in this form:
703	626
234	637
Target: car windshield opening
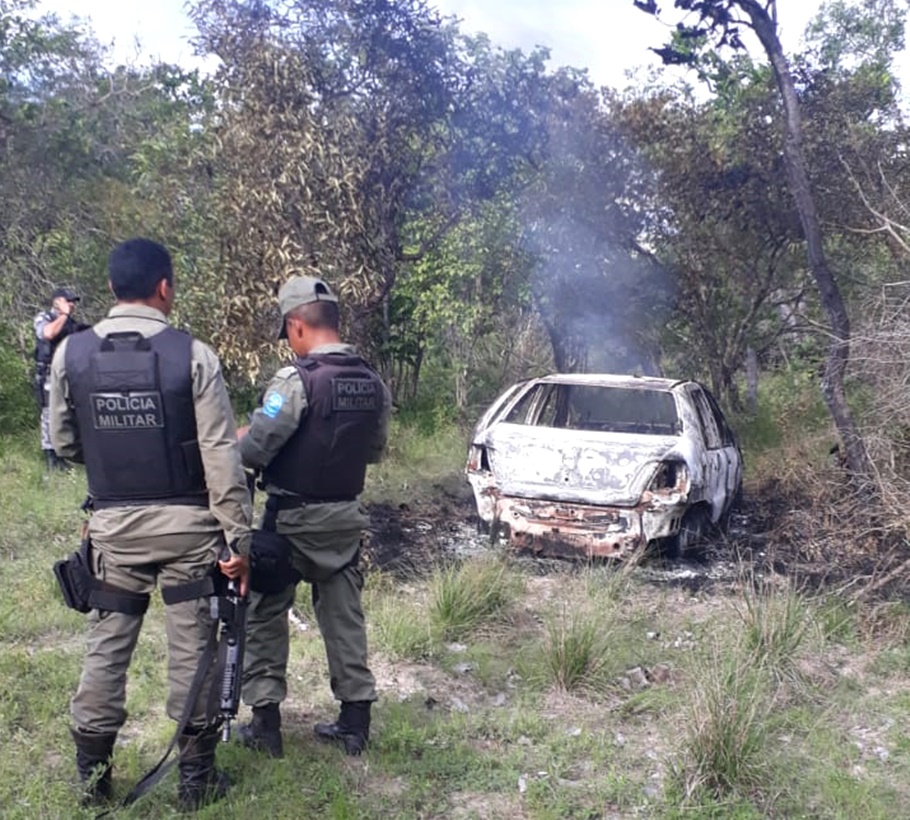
599	408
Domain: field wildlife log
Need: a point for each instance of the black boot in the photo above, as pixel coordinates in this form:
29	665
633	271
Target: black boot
352	727
200	782
93	760
263	732
54	462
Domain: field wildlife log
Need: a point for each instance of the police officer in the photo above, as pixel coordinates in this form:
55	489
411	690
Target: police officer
145	407
322	420
51	328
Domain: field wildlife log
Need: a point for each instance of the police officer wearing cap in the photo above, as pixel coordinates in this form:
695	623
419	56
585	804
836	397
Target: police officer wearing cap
322	420
51	328
145	407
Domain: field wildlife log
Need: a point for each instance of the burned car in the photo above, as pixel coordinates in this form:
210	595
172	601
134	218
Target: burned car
601	465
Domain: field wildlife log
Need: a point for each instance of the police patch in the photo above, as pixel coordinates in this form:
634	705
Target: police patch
139	410
354	395
272	404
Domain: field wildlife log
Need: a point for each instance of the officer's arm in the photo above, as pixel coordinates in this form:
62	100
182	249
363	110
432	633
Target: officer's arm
54	328
275	421
381	434
64	430
216	433
41	322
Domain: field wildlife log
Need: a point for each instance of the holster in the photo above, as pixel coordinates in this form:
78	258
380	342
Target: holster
271	567
84	592
271	570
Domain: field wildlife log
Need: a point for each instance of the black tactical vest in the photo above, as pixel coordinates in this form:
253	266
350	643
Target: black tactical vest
44	348
326	458
137	423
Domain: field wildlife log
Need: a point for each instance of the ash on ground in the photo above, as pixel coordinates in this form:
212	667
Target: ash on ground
411	539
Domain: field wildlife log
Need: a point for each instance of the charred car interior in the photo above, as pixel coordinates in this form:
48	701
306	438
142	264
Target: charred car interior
600	465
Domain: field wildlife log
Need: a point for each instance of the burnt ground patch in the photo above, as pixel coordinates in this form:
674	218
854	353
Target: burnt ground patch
817	543
411	538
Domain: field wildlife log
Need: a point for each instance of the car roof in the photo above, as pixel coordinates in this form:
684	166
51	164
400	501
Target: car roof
612	380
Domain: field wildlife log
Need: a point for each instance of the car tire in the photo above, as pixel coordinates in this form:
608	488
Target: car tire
692	537
723	524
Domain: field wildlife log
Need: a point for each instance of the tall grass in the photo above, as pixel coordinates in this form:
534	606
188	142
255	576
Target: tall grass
415	461
725	728
576	648
776	624
397	620
466	596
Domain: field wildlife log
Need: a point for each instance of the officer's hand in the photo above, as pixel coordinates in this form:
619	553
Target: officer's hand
237	566
242	431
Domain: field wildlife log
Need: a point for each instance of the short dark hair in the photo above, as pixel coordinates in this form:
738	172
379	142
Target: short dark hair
317	314
135	268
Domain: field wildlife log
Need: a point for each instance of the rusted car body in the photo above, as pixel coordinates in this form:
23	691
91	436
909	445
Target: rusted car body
602	465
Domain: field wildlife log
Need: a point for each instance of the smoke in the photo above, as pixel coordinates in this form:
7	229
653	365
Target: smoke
602	298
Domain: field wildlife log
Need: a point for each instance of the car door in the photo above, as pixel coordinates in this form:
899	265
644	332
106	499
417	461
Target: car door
732	453
716	460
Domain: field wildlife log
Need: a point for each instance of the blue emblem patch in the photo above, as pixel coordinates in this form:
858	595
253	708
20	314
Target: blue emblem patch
272	404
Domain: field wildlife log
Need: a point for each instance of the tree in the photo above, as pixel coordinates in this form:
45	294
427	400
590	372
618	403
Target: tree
722	220
340	126
722	21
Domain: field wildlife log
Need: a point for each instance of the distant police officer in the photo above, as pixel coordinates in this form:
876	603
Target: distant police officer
51	328
321	422
145	407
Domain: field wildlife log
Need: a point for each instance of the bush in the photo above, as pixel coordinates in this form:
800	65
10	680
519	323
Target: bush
18	410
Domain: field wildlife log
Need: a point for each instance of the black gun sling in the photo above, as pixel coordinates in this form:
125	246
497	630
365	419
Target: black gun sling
163	766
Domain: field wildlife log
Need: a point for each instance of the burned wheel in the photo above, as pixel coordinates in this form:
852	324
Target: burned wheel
692	537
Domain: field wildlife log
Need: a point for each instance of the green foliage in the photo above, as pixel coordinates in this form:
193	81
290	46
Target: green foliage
418	457
431	412
789	408
18	404
868	33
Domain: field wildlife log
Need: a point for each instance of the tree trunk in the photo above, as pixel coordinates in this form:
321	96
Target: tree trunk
855	453
752	381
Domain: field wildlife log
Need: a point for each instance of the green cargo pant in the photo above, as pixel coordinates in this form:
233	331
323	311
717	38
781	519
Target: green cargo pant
99	704
339	614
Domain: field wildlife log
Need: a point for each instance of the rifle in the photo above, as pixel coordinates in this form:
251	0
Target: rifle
231	614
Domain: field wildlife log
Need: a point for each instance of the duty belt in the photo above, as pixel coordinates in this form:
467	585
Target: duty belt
175	500
290	502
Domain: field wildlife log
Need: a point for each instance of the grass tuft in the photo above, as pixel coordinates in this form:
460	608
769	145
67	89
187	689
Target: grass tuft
400	628
467	596
725	729
576	648
775	628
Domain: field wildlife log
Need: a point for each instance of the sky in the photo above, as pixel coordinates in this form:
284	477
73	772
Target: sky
608	37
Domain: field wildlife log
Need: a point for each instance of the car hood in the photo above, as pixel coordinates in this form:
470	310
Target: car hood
574	466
